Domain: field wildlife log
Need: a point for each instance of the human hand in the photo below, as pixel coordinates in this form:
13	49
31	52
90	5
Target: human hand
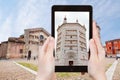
96	64
46	61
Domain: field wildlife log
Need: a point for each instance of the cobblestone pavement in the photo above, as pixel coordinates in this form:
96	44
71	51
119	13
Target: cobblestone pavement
116	75
109	62
10	71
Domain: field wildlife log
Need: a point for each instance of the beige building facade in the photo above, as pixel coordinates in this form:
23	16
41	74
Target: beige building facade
71	48
34	39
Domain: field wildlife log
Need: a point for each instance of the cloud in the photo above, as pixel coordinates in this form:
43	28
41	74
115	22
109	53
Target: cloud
29	14
34	13
106	13
37	13
6	29
0	16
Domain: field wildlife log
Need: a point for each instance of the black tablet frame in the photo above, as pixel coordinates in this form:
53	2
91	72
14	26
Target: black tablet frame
84	8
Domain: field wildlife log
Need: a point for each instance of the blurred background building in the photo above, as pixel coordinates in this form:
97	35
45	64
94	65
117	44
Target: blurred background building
25	46
34	39
112	47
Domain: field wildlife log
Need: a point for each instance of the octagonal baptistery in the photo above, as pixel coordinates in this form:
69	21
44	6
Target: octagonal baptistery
71	48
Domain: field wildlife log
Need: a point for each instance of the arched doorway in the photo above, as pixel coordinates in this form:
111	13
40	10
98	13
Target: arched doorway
29	55
70	63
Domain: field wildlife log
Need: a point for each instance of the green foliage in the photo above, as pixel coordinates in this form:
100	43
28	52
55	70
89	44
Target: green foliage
108	66
66	74
29	65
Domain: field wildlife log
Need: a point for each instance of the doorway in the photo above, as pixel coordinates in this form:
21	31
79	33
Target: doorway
29	55
70	63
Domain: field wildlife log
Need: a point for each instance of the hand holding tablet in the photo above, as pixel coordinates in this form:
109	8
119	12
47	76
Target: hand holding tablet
69	62
72	29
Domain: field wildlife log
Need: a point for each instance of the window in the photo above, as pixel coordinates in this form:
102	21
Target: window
41	43
70	42
70	47
21	50
110	48
41	37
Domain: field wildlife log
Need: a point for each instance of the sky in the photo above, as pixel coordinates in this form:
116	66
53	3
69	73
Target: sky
17	15
82	17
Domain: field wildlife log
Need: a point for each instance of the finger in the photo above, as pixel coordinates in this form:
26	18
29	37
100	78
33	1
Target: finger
42	50
93	50
102	54
45	45
51	47
54	76
96	36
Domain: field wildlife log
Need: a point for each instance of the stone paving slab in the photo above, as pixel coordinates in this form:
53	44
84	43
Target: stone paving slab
10	71
116	75
110	71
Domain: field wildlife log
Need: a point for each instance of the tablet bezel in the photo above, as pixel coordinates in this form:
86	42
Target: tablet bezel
84	8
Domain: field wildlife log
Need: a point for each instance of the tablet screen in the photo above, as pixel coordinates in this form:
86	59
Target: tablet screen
71	38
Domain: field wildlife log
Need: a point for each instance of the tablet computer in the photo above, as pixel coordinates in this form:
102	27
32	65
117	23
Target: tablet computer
72	30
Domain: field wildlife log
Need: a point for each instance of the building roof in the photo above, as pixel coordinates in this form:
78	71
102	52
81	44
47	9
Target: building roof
71	24
14	39
22	36
113	40
98	27
4	42
39	29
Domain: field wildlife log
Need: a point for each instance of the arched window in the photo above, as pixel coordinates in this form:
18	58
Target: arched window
41	37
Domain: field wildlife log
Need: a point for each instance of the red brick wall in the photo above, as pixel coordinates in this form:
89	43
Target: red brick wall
109	47
115	43
3	50
119	45
112	47
14	50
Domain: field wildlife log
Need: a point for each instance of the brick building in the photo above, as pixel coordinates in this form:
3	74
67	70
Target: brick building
26	44
15	47
3	49
112	47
